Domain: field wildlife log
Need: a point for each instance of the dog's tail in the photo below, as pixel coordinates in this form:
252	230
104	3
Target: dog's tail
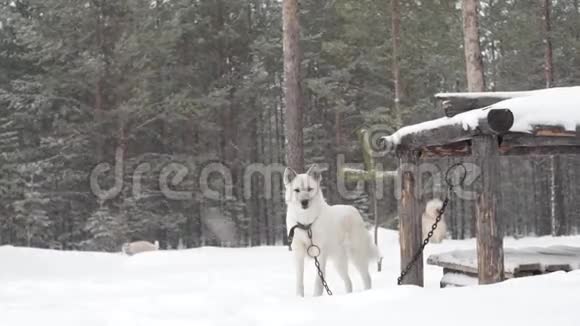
361	245
372	251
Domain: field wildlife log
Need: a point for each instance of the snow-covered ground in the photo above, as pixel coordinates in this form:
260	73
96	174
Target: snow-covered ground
255	287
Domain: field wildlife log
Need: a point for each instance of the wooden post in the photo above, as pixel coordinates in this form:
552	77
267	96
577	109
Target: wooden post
410	217
490	259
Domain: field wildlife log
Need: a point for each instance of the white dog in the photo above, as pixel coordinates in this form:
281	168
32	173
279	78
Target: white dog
432	210
338	231
137	247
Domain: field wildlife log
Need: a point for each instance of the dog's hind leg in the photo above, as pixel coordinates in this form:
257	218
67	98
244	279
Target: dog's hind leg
318	282
362	265
299	256
341	264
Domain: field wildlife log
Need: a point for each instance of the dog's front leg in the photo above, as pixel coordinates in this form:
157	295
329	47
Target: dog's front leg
299	256
318	281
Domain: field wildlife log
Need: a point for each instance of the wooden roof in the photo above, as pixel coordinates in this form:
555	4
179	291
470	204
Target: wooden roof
519	130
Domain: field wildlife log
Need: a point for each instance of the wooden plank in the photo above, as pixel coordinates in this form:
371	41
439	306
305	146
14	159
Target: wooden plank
410	217
458	149
529	140
454	279
553	131
458	266
490	258
528	270
544	141
451	266
449	270
557	268
540	150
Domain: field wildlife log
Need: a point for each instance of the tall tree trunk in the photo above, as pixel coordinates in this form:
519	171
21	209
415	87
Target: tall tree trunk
396	40
99	96
280	103
544	199
547	30
473	59
292	87
493	60
337	128
558	216
577	18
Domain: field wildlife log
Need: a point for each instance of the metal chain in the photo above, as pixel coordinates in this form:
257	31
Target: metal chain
419	252
424	244
317	263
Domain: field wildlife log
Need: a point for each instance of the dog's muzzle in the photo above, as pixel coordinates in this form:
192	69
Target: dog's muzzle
304	204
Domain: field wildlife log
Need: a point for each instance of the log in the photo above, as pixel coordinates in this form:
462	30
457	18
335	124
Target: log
490	256
495	122
410	230
455	103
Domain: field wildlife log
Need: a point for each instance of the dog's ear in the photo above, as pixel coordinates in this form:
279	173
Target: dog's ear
289	175
314	172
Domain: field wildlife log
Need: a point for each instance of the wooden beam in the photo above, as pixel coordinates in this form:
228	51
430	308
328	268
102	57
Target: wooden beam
494	122
490	256
514	144
459	149
540	150
528	140
553	131
410	231
544	140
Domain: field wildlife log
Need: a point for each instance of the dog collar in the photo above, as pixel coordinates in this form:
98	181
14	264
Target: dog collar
305	227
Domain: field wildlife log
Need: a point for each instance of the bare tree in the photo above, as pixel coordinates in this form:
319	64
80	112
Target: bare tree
473	59
292	88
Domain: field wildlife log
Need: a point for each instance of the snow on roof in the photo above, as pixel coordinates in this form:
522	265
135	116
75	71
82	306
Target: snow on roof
500	95
550	107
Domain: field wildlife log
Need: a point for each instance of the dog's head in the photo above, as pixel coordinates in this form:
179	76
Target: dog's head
302	189
433	208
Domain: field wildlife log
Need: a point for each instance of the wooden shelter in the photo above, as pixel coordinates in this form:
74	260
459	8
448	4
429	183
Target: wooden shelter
484	126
